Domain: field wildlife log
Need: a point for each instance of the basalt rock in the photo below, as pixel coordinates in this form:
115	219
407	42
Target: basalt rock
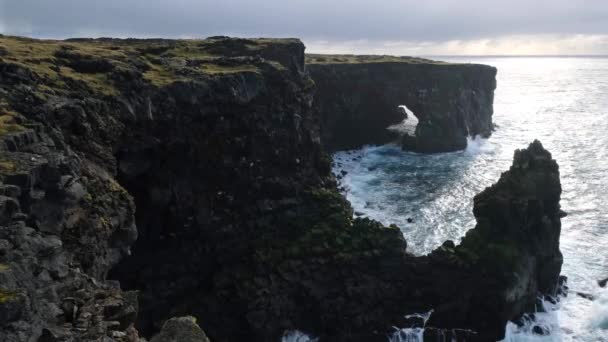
65	222
212	158
512	256
357	98
182	329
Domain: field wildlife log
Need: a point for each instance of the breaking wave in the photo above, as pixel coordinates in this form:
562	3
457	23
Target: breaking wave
430	197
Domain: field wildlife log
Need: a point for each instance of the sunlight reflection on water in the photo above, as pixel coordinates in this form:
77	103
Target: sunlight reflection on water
563	102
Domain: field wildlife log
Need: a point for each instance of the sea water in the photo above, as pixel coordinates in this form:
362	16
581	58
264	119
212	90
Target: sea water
563	102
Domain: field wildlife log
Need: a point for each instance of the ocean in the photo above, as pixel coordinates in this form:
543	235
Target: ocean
563	102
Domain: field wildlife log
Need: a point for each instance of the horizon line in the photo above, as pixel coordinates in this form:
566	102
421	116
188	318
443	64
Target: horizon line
520	56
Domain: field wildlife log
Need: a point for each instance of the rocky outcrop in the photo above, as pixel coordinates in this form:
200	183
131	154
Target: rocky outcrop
182	329
64	223
514	249
212	159
357	98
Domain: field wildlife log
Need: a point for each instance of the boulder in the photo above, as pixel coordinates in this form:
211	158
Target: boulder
181	329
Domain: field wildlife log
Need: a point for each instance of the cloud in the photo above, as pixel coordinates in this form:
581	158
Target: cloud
441	23
544	44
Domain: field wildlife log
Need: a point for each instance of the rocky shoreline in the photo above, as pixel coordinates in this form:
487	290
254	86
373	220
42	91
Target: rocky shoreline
150	179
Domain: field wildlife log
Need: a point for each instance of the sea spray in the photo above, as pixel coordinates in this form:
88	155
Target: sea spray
477	145
408	125
542	326
599	311
413	334
416	191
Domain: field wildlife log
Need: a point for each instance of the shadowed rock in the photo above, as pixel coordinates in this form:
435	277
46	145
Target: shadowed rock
357	99
512	255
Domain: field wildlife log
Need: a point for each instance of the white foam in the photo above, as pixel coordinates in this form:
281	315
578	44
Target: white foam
415	334
529	104
598	314
573	319
545	320
297	336
408	335
408	125
477	145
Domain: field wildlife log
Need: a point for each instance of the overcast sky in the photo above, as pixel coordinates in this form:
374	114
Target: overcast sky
404	27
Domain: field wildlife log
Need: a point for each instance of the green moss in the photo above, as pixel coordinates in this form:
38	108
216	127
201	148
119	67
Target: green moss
325	228
8	124
265	42
117	188
104	222
62	64
4	267
309	83
98	82
216	69
488	254
88	197
7	295
188	49
39	56
363	59
7	167
159	75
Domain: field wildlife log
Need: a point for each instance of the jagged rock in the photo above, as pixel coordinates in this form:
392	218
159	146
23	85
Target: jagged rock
514	247
182	329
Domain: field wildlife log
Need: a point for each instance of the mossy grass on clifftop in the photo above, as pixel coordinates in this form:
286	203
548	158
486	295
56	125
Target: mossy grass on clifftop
364	59
59	62
95	63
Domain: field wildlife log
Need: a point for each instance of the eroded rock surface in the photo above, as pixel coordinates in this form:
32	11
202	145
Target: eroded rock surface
357	98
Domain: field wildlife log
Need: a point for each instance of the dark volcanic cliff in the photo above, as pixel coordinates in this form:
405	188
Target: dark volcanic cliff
192	172
357	99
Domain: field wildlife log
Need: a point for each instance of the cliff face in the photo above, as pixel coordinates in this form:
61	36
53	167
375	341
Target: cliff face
208	152
357	99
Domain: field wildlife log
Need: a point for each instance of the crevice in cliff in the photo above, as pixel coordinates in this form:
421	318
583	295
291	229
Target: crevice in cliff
166	241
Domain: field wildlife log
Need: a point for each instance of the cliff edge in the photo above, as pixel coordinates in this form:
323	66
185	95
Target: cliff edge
357	98
148	179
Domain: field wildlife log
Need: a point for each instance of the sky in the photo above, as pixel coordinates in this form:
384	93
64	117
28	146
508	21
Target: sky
398	27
